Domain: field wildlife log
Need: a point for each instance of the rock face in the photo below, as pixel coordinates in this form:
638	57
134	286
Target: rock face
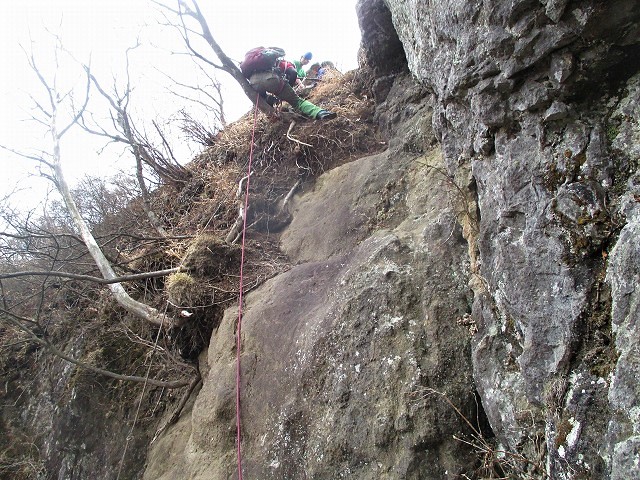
348	355
540	99
507	205
623	274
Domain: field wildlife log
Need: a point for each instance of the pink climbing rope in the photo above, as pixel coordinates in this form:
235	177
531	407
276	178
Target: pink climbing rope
239	328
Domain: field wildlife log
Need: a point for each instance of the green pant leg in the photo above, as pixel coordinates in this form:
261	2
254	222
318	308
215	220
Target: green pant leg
308	108
272	83
304	106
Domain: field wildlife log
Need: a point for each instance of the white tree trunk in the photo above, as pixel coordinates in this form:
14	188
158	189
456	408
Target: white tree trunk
139	309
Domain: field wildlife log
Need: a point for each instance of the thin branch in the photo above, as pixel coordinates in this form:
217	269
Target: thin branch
17	317
293	139
127	378
26	156
290	194
183	401
79	113
227	64
89	278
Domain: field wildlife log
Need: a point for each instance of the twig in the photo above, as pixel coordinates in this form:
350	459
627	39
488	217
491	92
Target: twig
240	183
290	194
293	139
183	401
481	444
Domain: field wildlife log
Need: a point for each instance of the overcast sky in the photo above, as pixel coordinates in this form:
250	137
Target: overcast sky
102	30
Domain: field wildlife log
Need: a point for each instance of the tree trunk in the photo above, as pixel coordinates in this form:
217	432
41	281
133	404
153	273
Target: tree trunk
227	64
139	309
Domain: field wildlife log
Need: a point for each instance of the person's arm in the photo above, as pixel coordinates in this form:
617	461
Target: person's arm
292	76
300	69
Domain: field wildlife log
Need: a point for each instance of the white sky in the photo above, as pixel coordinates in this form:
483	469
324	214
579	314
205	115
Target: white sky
103	30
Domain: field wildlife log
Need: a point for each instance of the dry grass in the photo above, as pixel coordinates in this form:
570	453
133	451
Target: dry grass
209	203
351	134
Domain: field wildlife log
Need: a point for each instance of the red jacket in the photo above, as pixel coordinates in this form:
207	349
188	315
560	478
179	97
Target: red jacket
284	65
288	69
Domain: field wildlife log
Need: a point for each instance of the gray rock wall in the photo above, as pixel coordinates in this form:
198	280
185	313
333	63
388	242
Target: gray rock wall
623	274
536	97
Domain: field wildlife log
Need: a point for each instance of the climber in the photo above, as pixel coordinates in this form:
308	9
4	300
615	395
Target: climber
325	68
261	67
312	73
304	59
317	71
309	81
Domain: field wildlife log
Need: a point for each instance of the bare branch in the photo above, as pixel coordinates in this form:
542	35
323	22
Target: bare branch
142	150
194	12
89	278
183	401
290	194
292	138
135	307
79	113
217	100
35	158
59	353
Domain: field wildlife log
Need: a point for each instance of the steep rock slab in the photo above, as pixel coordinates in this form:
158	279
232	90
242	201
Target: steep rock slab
340	352
342	355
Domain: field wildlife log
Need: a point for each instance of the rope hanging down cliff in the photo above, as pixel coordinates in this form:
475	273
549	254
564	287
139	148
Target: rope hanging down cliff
239	326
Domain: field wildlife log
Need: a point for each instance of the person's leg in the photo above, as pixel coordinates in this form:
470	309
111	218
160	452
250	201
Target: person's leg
272	83
260	81
304	106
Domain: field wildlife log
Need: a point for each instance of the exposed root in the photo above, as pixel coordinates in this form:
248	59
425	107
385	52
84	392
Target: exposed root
293	139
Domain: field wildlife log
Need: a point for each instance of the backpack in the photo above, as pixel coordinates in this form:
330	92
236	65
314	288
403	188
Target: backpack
259	59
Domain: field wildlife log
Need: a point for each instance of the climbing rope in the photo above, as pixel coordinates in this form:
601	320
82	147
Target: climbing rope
239	327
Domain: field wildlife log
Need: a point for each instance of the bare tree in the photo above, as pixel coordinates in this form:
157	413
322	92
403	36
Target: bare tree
213	101
30	301
188	12
161	161
48	116
49	261
195	130
140	153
